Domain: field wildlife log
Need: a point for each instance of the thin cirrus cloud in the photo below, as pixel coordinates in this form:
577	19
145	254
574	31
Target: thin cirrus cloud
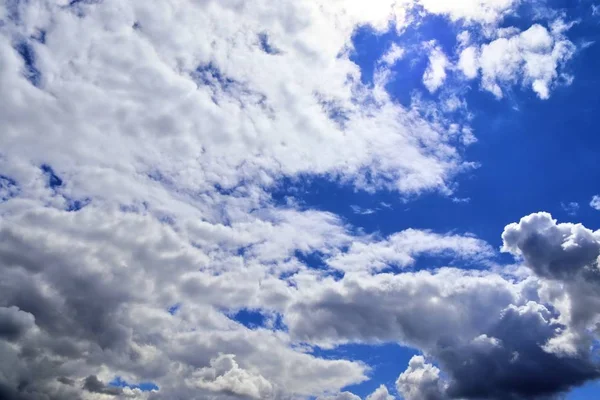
142	143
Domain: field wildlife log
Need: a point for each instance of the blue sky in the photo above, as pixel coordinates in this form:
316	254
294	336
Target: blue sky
324	200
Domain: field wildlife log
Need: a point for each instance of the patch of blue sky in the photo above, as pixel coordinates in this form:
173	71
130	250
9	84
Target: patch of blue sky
54	180
30	71
143	386
76	204
209	74
8	188
387	361
586	392
251	319
265	44
174	308
312	259
316	260
255	319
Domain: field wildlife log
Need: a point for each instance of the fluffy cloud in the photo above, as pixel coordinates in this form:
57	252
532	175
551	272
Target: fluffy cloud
468	62
435	74
381	393
138	89
556	251
225	375
401	249
567	255
86	294
486	331
420	381
533	58
140	143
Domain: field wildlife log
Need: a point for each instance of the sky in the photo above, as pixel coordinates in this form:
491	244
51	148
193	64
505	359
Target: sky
299	200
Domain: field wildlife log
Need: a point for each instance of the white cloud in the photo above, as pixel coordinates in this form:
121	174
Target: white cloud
171	120
595	202
381	393
533	57
420	381
229	111
481	11
392	55
468	62
225	375
401	249
435	75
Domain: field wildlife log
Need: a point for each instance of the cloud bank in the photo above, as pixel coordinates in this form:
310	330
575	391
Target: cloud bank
141	145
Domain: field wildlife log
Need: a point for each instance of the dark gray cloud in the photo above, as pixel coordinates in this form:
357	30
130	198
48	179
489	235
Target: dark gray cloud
14	322
494	337
552	250
539	349
95	385
566	255
509	362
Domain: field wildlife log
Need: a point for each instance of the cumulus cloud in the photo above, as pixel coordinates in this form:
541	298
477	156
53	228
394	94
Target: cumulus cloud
381	393
232	112
567	255
468	62
140	144
420	381
68	303
435	74
225	375
491	335
558	251
533	57
67	300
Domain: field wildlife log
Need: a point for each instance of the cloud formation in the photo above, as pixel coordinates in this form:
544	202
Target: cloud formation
142	142
533	57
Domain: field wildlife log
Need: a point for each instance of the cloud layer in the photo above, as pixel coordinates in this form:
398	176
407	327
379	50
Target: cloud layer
141	145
